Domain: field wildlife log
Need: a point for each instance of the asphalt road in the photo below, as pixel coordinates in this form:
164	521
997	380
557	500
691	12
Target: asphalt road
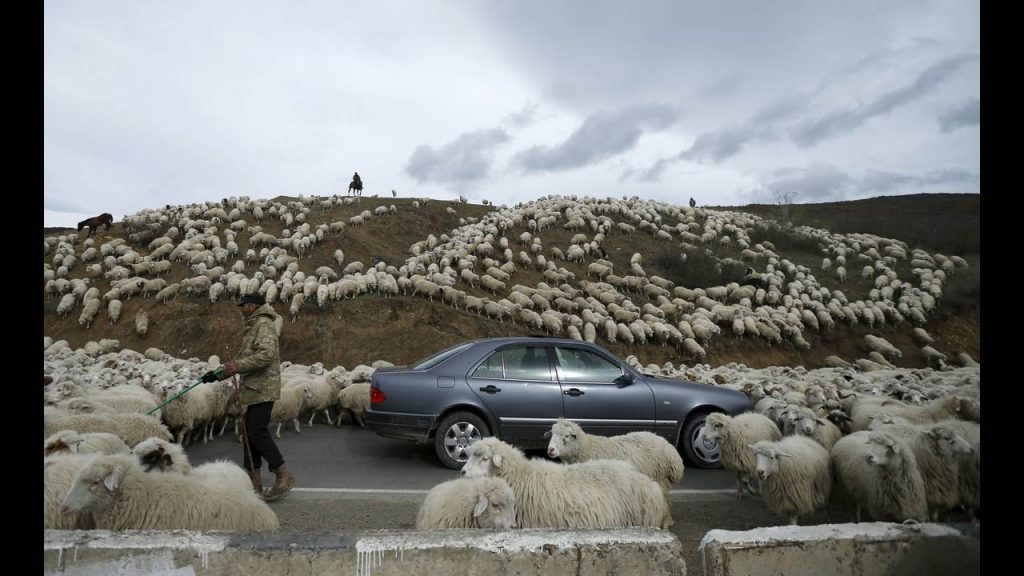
330	460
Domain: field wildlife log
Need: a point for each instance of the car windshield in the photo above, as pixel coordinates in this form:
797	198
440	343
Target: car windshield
431	361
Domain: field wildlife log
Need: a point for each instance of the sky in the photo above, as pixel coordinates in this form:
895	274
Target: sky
729	102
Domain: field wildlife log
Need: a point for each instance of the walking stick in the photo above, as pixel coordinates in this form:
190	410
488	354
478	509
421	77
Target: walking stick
241	424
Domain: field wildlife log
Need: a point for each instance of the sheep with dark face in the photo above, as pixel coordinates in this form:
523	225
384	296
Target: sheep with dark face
119	495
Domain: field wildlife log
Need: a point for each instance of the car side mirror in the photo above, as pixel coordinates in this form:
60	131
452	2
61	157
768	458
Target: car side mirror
627	378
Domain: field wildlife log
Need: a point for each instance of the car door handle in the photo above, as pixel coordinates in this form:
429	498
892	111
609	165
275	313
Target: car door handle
490	389
573	392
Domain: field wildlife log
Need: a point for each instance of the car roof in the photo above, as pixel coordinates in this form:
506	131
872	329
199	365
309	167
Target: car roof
531	339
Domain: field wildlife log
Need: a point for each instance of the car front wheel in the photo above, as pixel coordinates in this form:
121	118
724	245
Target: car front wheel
700	451
454	435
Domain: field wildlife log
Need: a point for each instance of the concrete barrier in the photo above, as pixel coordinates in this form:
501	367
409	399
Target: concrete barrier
386	553
864	549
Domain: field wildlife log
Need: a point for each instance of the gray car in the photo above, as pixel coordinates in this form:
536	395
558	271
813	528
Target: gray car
515	388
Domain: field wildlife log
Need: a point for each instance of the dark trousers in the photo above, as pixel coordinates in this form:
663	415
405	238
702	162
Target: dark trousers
261	443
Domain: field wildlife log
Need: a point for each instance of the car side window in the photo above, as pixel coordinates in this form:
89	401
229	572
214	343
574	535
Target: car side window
491	367
526	363
576	365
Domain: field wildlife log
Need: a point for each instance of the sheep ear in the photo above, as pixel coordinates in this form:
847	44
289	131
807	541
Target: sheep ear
497	461
481	506
113	478
547	434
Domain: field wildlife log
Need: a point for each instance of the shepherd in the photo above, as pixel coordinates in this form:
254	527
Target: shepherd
356	186
95	222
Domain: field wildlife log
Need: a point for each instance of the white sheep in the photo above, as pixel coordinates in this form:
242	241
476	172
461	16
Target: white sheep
933	357
141	323
880	473
69	441
968	465
156	455
922	337
320	395
130	428
734	435
937	450
121	496
288	407
648	452
809	424
159	455
795	475
589	495
882	346
59	471
114	311
353	399
484	502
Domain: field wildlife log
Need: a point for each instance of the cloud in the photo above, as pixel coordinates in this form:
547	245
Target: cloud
966	114
842	121
600	136
522	118
465	159
821	182
718	146
880	182
815	183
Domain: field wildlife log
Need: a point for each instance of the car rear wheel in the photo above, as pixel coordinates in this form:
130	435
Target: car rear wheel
700	451
454	435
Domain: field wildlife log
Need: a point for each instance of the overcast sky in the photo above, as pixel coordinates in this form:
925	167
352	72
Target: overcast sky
149	103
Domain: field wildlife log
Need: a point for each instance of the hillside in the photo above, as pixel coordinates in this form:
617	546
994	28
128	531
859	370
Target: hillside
404	328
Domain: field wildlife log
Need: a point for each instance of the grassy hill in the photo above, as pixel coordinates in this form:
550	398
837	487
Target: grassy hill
403	329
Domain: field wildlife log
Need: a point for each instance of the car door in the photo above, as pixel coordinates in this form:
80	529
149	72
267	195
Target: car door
518	386
599	397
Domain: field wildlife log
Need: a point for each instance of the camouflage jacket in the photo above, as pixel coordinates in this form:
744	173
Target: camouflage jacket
259	359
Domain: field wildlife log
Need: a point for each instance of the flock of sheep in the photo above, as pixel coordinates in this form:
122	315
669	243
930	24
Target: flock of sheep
473	268
901	444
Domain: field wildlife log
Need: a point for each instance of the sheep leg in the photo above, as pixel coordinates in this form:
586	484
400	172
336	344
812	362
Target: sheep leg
792	520
754	490
278	432
359	419
327	414
311	417
295	421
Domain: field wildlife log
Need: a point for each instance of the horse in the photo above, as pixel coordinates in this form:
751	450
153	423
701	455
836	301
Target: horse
95	222
357	186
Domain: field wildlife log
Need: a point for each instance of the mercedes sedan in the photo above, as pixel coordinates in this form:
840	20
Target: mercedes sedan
515	389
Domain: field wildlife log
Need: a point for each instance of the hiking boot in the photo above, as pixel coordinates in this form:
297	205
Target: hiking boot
257	481
282	484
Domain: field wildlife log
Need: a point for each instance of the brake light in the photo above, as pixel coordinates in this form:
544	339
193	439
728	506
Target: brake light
376	396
